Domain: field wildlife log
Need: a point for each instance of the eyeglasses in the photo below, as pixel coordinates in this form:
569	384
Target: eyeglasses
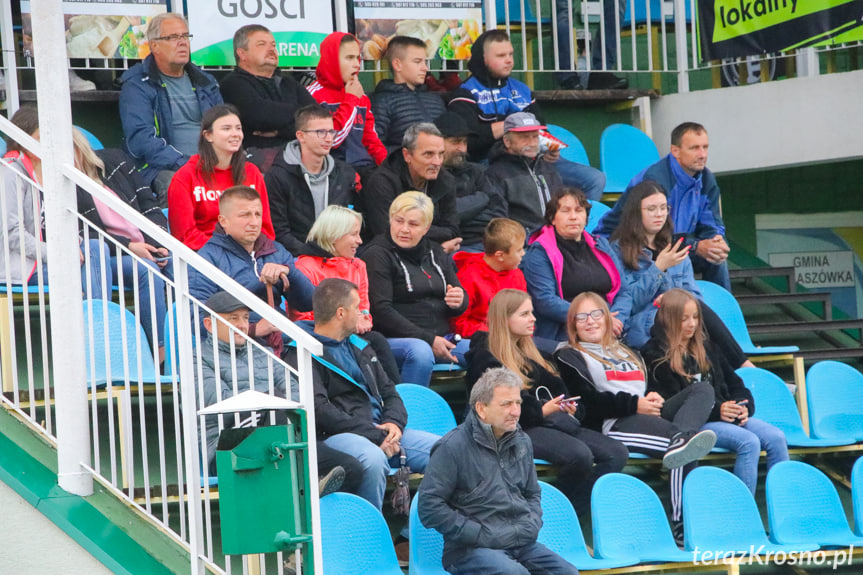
174	38
595	314
663	209
322	133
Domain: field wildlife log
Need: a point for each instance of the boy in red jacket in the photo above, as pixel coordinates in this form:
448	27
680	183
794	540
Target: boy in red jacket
338	88
483	275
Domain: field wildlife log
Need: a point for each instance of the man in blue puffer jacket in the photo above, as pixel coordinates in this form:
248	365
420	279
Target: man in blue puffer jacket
162	101
693	202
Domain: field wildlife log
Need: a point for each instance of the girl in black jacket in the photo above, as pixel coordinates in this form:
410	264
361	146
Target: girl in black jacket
610	379
679	356
548	416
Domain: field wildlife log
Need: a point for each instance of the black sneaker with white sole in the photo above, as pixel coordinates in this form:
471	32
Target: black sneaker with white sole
688	447
331	482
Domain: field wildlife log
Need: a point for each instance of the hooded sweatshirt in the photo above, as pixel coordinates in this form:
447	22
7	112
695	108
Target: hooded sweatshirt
193	201
357	143
483	100
297	196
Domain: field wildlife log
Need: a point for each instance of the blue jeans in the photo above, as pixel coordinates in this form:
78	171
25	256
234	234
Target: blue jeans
564	31
748	441
414	358
713	273
533	558
376	465
98	253
143	271
589	180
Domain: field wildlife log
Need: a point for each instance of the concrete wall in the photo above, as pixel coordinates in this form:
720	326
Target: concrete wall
796	121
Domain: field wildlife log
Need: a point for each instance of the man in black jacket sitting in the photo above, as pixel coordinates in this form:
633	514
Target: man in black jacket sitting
266	99
305	179
357	408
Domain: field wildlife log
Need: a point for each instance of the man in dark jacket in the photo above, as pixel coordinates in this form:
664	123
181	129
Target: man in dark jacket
239	249
357	408
305	179
404	100
480	489
477	203
693	202
162	101
491	94
266	99
417	165
520	175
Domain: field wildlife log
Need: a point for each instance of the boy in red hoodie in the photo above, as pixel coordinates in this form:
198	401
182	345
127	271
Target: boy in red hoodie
338	88
483	275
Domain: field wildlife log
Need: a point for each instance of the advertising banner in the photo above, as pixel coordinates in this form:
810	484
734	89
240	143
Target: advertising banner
298	26
739	28
448	27
106	29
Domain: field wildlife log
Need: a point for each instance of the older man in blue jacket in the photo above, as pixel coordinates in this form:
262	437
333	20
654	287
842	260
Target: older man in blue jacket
693	202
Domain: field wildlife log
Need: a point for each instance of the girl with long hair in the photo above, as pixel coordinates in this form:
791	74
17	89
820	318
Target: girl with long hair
549	415
611	380
681	355
651	262
193	196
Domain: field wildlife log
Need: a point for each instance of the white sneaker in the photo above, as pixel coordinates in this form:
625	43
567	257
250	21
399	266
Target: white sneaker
79	84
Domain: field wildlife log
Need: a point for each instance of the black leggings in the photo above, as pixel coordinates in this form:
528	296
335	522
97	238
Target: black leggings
582	457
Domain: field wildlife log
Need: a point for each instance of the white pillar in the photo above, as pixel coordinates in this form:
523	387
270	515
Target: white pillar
64	270
681	46
807	63
10	65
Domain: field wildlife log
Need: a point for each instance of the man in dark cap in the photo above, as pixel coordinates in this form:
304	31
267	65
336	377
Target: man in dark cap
477	202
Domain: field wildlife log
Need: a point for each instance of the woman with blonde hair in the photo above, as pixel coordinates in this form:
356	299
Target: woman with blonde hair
679	356
549	415
414	290
610	378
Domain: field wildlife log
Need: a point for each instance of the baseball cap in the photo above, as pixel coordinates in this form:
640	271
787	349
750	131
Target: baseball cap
223	302
521	122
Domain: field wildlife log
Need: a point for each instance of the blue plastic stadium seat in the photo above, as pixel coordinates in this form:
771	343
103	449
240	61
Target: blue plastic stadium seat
720	516
726	307
355	539
575	152
515	14
597	210
110	318
624	151
834	393
857	495
20	289
446	367
804	507
561	532
91	139
655	12
629	522
426	548
427	410
776	406
2	146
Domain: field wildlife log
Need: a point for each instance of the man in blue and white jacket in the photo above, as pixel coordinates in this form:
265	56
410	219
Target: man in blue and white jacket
490	95
693	202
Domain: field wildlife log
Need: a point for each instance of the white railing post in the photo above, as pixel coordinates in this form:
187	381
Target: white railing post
191	451
490	15
64	268
307	398
10	64
807	63
340	12
681	45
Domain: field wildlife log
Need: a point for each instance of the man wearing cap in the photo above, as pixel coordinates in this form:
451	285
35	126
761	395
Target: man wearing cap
520	174
404	100
417	165
227	367
477	203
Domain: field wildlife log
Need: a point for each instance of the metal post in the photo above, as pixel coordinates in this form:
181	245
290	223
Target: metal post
340	12
807	63
490	15
64	269
10	65
681	45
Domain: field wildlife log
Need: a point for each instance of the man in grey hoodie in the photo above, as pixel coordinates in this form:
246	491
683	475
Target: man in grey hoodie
305	179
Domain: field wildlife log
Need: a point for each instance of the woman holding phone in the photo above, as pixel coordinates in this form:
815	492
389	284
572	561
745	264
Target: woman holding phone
549	414
680	355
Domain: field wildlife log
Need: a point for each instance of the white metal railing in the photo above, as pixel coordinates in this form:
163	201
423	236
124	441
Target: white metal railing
146	441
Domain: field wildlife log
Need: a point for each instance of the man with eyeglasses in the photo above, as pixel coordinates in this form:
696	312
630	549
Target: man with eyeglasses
305	179
162	101
266	98
693	202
